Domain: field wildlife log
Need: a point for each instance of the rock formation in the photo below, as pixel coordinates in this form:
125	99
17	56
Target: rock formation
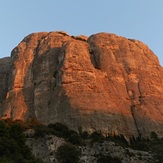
104	82
4	73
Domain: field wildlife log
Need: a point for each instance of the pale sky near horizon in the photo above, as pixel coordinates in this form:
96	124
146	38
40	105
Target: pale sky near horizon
137	19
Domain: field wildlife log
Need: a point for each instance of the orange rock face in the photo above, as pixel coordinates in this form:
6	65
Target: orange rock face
104	82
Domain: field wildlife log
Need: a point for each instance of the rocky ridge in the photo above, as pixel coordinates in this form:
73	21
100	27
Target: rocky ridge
105	82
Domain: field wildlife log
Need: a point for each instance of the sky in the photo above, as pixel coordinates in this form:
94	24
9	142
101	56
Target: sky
135	19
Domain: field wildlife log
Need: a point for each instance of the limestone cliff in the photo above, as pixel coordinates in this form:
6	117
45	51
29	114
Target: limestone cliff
104	82
4	74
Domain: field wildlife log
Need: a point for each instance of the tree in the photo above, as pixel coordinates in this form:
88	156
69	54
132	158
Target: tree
68	153
108	159
12	145
153	135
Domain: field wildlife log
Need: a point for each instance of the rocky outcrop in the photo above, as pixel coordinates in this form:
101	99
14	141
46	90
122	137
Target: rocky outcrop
104	82
46	147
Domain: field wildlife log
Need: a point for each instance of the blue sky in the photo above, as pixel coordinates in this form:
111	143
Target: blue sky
138	19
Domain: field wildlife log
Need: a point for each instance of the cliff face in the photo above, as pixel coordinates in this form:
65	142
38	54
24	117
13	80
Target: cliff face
4	74
104	82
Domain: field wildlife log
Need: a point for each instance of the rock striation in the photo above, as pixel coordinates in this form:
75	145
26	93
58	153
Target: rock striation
4	74
105	82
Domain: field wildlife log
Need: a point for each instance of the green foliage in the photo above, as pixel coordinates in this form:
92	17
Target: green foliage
139	143
13	148
68	153
119	139
42	130
108	159
153	144
97	137
5	160
153	135
12	145
156	146
59	130
84	135
74	138
62	130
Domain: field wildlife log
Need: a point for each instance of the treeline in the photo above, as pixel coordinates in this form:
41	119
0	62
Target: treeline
153	144
14	150
12	144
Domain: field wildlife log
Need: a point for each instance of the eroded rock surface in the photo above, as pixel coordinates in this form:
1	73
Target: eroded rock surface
106	82
4	74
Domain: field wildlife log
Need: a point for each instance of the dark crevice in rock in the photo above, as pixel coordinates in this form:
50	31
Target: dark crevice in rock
132	98
132	108
136	106
57	74
94	59
133	112
141	97
80	38
63	33
36	50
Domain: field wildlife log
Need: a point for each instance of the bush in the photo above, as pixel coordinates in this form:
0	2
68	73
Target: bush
59	129
41	131
85	135
5	160
156	146
68	153
139	143
12	145
74	138
120	140
153	136
96	136
108	159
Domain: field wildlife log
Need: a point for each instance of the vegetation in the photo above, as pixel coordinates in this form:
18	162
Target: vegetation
59	130
118	139
68	153
108	159
97	137
152	144
12	145
14	150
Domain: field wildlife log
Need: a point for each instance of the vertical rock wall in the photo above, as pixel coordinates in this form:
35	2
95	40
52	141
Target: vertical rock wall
106	82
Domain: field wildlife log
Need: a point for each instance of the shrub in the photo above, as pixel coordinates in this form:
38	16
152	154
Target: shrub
96	136
59	129
139	143
153	135
74	138
85	135
108	159
156	146
12	145
41	131
68	153
120	140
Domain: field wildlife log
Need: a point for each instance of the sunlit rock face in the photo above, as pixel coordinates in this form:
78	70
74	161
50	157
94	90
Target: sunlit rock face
105	82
